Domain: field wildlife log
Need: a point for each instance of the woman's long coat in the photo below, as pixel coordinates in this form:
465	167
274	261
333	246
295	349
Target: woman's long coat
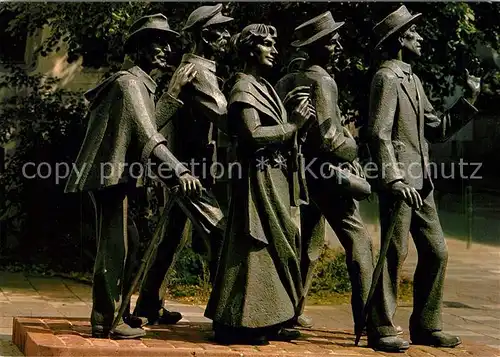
258	283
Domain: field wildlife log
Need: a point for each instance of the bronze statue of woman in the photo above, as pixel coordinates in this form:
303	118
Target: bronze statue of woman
258	283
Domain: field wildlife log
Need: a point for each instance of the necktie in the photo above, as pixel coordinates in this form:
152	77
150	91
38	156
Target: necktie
412	86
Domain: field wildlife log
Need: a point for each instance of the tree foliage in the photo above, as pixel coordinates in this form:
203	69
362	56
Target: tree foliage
50	124
450	29
46	125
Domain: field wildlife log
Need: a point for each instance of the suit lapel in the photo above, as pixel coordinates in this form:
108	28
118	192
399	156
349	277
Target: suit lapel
405	84
420	112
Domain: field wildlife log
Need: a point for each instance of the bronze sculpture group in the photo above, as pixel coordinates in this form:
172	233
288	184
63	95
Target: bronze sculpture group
263	251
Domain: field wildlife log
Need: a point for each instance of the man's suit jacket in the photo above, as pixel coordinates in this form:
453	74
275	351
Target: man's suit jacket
121	131
326	138
401	118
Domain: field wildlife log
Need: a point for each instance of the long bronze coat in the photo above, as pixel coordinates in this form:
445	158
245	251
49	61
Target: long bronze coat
121	131
258	282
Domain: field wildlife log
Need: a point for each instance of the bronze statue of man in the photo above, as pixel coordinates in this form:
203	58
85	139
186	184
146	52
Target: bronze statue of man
327	142
401	119
121	133
191	134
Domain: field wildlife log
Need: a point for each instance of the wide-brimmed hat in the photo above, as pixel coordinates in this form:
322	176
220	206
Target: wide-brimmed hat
393	24
205	16
314	29
156	24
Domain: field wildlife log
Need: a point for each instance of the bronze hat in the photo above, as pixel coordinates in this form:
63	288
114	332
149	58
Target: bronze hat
393	23
157	23
314	29
205	16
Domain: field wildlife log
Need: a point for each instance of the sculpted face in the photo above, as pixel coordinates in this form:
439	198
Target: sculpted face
266	52
157	53
160	54
327	48
217	38
410	41
333	46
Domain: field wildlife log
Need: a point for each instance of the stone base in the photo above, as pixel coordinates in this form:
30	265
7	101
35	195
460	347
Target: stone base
72	337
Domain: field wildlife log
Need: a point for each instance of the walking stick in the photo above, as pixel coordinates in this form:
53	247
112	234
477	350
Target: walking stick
145	261
376	274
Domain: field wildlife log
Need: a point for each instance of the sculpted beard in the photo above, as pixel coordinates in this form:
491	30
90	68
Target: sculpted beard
220	45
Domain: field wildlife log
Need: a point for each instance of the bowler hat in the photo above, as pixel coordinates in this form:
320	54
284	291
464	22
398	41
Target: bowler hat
205	16
151	24
393	23
315	29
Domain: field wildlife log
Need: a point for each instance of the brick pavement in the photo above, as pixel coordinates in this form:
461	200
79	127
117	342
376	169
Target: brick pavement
472	285
71	337
471	308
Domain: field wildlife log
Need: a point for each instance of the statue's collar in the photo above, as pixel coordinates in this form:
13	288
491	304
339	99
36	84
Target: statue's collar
405	67
148	81
318	69
400	68
200	61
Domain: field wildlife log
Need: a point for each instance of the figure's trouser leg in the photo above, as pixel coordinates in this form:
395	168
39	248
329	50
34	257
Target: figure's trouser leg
380	318
345	219
312	240
216	240
430	271
107	288
132	262
150	298
202	212
210	246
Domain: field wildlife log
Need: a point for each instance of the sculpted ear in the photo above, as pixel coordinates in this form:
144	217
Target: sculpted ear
205	35
401	39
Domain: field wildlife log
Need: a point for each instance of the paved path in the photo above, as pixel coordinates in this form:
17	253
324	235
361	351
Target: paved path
71	338
472	299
